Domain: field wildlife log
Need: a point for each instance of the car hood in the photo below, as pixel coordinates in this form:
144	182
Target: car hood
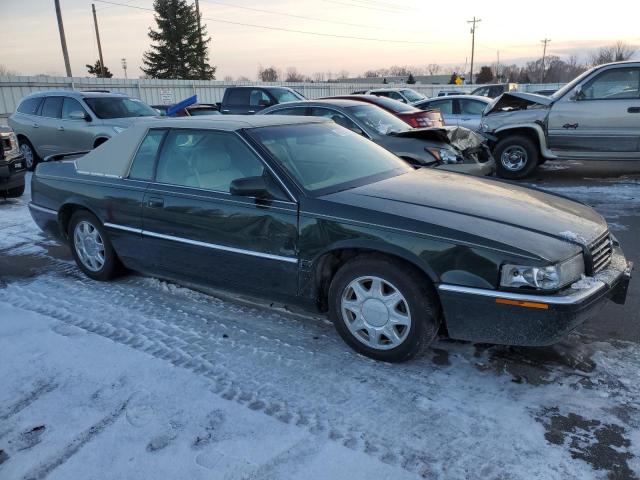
517	101
486	212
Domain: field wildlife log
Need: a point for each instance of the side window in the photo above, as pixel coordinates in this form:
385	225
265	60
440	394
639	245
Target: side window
259	98
300	111
30	106
239	96
205	159
52	107
381	94
483	92
70	106
445	106
471	107
142	165
396	96
337	117
617	83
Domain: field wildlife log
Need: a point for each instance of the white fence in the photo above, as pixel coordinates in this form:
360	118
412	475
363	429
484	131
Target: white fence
154	92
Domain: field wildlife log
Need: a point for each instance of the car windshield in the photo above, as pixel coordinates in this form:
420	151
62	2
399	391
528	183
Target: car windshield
194	112
284	95
378	119
325	157
412	95
392	105
119	107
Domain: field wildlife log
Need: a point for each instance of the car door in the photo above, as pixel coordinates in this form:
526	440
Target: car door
470	113
75	133
601	119
47	134
193	227
446	107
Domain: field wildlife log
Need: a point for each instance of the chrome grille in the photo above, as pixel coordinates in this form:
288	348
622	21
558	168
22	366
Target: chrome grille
600	252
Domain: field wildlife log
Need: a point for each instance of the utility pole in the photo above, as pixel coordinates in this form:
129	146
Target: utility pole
498	65
95	22
124	67
544	55
63	41
473	41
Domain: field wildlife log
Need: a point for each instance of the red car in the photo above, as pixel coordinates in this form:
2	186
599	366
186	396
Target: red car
413	116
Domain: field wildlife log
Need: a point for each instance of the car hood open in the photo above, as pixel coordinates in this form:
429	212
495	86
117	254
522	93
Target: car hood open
517	101
490	210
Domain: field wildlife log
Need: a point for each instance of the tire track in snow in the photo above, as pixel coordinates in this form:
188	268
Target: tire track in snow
41	388
42	471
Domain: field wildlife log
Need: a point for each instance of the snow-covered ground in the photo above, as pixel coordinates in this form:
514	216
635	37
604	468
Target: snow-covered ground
145	379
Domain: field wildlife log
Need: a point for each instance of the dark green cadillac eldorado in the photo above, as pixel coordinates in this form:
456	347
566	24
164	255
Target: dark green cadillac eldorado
298	209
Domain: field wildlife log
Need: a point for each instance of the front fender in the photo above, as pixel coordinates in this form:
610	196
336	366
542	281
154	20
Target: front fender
534	127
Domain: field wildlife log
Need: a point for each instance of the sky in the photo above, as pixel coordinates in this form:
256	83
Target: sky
30	44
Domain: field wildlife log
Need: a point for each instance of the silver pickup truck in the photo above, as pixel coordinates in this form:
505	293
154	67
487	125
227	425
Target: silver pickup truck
594	117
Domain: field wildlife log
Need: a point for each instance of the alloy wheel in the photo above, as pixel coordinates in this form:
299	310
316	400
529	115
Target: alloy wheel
375	312
27	152
89	246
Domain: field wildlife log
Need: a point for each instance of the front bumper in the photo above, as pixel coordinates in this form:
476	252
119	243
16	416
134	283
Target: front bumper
478	169
493	316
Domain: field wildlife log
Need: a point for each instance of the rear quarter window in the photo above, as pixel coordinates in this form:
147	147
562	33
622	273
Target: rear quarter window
30	106
145	159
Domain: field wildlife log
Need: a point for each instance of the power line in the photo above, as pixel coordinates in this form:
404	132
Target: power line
305	32
380	9
291	15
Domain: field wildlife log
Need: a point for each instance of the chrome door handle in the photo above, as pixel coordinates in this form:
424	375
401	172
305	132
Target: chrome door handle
155	202
252	111
226	110
35	125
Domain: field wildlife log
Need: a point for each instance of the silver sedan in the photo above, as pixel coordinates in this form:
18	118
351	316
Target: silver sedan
459	110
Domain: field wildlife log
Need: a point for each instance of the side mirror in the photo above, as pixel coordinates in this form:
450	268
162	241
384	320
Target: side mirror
250	187
578	94
79	115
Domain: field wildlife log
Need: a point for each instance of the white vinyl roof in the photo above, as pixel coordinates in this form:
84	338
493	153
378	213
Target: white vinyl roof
113	158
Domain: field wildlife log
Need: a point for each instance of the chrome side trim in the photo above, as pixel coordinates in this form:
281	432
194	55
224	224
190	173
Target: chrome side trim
124	228
43	209
575	296
197	243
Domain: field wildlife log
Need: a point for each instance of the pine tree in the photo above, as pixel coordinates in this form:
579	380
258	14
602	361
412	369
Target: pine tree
98	71
179	50
411	80
485	75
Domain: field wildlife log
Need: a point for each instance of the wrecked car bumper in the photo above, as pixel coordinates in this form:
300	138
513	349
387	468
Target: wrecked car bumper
507	318
478	169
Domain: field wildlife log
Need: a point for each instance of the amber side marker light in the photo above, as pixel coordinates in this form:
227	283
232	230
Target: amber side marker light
518	303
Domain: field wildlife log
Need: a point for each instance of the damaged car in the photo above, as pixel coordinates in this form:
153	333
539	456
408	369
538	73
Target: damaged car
455	149
595	117
304	212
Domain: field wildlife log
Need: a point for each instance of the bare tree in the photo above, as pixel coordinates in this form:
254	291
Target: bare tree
4	71
318	77
293	75
342	75
433	69
228	78
242	78
269	74
618	52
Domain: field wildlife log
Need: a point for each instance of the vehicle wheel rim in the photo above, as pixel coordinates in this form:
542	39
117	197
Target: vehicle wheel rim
28	154
375	312
514	158
89	246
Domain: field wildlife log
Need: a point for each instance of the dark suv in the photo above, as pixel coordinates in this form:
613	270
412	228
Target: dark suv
250	100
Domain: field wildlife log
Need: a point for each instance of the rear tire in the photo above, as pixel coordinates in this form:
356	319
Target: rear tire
91	247
516	157
31	158
382	309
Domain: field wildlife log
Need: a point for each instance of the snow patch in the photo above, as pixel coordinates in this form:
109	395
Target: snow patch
573	237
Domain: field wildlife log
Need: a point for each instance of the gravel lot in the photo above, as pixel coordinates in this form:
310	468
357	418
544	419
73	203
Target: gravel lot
145	379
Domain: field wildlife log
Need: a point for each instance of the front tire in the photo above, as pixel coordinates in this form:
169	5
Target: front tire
516	157
382	309
31	158
91	247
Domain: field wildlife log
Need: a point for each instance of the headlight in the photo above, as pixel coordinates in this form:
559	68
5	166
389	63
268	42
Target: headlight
485	127
544	278
118	129
444	155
